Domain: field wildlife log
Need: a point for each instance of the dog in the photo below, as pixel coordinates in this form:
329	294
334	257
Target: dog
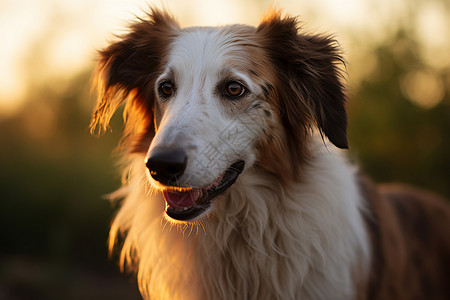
236	183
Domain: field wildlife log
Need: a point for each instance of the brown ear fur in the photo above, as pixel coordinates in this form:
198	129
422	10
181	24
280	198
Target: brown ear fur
310	80
128	68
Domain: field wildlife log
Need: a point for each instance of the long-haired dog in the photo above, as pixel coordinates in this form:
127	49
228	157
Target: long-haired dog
234	185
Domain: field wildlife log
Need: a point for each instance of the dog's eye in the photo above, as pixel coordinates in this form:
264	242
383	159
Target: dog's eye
235	89
166	89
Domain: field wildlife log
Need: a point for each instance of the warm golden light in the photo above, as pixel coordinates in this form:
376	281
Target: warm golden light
53	40
423	88
433	32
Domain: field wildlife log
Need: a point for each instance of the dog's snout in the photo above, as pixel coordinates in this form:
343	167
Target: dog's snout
167	166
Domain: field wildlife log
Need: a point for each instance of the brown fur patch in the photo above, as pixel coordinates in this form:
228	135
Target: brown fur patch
310	86
127	69
304	89
410	238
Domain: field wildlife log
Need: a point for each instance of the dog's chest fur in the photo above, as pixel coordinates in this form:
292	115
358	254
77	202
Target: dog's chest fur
305	241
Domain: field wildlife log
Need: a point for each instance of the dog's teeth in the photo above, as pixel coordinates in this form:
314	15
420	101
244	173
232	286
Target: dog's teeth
179	209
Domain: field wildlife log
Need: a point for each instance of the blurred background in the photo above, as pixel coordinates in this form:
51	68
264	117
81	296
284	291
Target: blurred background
53	173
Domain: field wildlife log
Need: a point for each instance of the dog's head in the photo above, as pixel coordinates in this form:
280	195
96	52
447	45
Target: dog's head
203	104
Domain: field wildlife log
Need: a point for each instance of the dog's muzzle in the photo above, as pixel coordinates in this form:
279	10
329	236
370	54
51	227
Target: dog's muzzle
187	203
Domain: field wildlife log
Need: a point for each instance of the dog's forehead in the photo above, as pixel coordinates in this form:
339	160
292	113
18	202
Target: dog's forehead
211	48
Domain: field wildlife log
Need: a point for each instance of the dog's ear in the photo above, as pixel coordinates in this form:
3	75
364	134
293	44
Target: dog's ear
309	74
128	68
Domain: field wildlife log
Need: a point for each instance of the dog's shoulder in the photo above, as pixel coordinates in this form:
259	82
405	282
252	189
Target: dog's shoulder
410	241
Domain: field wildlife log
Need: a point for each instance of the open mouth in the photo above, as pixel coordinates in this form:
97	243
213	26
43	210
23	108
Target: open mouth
187	205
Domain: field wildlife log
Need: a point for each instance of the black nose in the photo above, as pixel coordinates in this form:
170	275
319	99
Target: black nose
166	166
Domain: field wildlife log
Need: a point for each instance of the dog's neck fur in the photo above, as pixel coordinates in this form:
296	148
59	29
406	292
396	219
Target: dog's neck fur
311	231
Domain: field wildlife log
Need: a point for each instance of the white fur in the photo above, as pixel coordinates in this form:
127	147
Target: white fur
307	241
196	119
262	239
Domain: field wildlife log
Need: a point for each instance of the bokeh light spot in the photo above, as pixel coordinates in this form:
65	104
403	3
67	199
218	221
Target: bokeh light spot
423	88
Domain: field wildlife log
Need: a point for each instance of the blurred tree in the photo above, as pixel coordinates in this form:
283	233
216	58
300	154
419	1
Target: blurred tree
398	134
53	176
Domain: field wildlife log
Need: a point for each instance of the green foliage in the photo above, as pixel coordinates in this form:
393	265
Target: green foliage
393	138
54	219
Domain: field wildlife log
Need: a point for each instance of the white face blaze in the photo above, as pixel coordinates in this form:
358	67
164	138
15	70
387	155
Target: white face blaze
199	117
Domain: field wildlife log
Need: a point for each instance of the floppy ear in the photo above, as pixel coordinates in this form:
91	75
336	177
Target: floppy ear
128	68
308	70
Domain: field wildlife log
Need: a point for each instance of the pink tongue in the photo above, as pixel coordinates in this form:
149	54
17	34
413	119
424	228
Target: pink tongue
181	199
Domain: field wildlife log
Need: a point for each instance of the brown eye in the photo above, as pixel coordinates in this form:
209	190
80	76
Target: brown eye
235	89
166	89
